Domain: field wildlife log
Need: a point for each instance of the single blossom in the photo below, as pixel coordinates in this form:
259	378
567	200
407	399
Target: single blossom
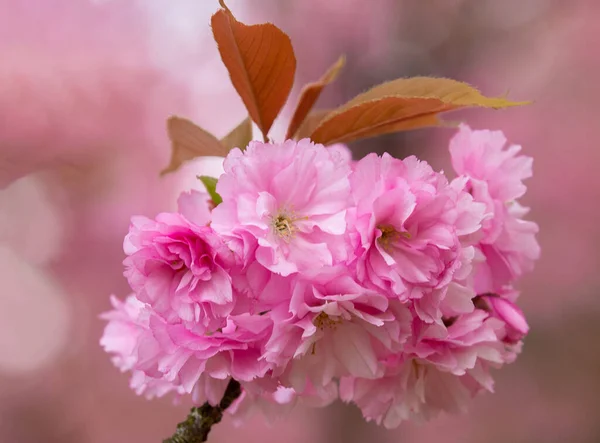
182	270
411	390
332	326
409	222
285	204
495	173
166	356
128	338
483	155
186	327
441	368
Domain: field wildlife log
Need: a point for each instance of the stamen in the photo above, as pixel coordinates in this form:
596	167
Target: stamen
283	226
210	333
389	235
324	321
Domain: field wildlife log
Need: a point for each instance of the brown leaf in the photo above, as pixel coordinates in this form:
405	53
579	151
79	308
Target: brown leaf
261	64
311	122
423	121
239	137
309	95
190	141
400	105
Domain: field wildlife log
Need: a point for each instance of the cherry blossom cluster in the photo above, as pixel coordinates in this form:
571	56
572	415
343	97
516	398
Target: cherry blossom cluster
378	281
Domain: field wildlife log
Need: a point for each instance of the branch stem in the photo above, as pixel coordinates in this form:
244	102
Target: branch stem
200	420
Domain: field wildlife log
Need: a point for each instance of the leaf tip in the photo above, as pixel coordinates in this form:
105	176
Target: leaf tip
523	103
170	121
511	103
223	5
335	69
503	102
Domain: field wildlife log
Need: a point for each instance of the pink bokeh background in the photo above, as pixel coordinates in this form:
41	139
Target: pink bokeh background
85	88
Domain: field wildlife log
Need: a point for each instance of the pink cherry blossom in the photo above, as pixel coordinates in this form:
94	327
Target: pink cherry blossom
128	337
180	269
182	322
333	326
516	247
166	356
508	246
410	391
378	281
408	221
288	201
481	155
441	368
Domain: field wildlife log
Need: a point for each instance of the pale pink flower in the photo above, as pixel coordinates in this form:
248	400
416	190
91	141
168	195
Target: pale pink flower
409	221
481	155
285	204
458	344
234	349
128	338
516	249
456	297
441	368
168	356
411	390
182	273
508	247
332	326
179	268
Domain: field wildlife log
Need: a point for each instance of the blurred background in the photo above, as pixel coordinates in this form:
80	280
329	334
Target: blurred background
85	88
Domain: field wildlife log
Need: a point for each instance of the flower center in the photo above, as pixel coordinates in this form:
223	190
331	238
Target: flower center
324	321
390	235
283	225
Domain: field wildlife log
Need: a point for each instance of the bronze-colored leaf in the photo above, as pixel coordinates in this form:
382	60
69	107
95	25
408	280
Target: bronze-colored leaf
239	137
423	121
311	122
309	95
399	105
190	141
261	64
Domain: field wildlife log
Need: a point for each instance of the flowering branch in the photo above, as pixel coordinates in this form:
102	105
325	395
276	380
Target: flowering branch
299	259
200	420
